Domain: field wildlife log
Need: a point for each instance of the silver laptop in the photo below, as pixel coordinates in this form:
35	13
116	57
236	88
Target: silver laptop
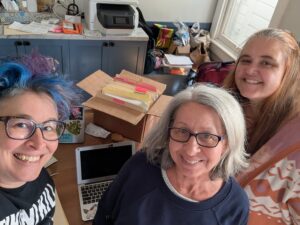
96	167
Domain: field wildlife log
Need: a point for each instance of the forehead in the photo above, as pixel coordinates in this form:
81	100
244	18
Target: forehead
197	115
35	105
263	46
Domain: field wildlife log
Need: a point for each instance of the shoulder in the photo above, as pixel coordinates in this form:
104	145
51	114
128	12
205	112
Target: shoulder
36	199
138	164
235	203
132	174
237	191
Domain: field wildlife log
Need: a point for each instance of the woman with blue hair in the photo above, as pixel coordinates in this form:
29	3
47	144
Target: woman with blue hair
32	108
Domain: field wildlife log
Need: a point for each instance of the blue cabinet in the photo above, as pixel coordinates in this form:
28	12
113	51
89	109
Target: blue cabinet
119	55
58	49
87	56
79	58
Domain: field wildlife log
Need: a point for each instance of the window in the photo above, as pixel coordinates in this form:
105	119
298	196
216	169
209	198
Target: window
236	20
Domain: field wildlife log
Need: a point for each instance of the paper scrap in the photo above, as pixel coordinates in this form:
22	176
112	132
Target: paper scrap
96	131
33	27
178	59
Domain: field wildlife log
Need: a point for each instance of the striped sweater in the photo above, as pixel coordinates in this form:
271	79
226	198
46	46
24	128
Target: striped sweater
272	181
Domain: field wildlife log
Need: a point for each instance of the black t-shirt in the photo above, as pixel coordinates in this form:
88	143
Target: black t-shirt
33	203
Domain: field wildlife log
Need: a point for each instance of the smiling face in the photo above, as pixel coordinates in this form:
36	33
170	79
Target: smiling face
260	69
22	160
192	160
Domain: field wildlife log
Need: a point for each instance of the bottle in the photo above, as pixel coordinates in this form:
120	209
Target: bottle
32	5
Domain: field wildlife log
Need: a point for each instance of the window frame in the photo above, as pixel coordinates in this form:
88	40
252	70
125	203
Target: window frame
221	47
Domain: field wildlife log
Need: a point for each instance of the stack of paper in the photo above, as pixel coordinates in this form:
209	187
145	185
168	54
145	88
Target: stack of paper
178	60
33	27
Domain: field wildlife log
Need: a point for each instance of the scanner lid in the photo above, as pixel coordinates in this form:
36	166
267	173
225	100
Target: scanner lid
119	2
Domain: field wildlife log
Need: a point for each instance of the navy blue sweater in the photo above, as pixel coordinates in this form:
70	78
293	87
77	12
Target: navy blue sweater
139	196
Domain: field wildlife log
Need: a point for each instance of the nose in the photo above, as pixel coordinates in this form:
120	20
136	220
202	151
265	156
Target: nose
36	140
251	69
192	146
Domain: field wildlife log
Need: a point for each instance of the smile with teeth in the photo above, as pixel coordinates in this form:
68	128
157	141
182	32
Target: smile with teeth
252	81
27	157
192	162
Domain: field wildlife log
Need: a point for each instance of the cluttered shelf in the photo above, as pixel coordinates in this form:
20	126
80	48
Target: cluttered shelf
176	50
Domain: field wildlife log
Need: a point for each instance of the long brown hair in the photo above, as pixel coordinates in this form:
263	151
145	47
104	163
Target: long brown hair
283	104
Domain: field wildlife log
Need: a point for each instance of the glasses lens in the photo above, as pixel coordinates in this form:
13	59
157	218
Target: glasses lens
178	134
19	128
52	130
207	140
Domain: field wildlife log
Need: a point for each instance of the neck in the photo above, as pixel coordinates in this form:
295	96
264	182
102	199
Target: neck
11	185
198	189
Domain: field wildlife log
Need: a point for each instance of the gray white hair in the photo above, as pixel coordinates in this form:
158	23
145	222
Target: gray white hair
156	144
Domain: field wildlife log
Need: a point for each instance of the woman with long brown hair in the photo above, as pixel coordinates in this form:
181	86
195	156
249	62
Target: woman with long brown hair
266	81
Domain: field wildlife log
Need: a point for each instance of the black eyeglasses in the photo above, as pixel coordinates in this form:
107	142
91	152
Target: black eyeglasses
19	128
203	139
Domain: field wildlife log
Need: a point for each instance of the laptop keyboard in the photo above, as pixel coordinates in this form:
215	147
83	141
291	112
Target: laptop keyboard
91	193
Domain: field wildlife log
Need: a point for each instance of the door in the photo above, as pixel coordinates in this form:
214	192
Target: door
119	55
57	49
10	48
85	58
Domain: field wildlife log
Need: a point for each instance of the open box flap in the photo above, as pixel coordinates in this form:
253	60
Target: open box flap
160	105
95	82
123	113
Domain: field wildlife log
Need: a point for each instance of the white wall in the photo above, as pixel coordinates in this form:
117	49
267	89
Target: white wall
172	10
183	10
290	19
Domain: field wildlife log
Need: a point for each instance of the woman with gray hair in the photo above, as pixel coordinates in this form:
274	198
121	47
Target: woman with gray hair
184	173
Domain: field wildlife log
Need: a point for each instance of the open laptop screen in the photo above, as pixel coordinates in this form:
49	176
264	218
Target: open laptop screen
102	162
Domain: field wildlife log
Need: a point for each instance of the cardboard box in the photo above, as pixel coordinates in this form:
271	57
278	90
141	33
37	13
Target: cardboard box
183	50
119	118
74	132
99	80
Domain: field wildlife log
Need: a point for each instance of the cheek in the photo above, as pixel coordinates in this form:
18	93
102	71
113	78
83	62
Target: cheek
173	148
8	144
238	75
52	146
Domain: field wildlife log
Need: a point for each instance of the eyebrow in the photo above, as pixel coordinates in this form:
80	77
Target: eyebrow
263	56
25	116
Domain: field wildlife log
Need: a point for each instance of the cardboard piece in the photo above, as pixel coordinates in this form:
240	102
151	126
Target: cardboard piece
119	118
183	50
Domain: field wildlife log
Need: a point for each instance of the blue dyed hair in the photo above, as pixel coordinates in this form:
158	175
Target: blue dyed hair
16	78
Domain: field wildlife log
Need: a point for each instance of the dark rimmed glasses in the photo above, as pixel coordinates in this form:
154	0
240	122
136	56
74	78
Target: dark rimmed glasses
19	128
203	139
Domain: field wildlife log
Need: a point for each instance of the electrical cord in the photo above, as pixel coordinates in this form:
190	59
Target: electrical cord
73	9
62	5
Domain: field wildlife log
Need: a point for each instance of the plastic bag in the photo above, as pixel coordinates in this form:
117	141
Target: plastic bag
199	35
182	33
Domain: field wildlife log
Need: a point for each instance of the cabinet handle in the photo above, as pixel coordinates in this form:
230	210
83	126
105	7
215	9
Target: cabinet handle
26	43
105	44
111	44
18	43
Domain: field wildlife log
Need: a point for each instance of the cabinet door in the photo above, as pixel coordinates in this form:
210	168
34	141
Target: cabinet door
58	49
11	48
119	55
85	58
